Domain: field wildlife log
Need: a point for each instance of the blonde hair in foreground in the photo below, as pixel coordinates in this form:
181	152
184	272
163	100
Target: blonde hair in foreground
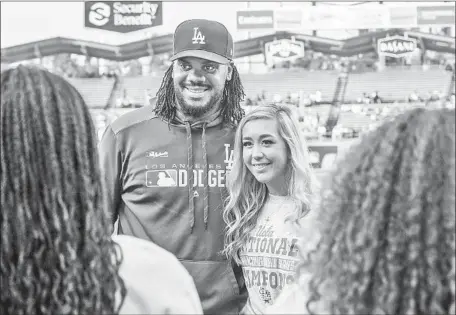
247	196
388	223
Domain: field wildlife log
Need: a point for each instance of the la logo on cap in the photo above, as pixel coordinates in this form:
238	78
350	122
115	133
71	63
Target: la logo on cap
198	38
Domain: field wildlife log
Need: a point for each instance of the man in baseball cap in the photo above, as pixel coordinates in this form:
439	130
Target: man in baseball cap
203	39
187	135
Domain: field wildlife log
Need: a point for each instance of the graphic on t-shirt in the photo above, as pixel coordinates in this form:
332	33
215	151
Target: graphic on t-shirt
265	295
269	260
161	178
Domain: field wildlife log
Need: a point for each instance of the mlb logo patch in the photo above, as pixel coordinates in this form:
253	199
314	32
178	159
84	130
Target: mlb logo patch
161	178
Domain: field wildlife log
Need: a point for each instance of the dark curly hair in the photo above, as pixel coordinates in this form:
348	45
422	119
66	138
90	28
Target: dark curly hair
57	256
387	222
233	94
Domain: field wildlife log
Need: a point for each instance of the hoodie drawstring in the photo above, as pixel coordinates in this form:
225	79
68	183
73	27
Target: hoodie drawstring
205	177
191	189
191	194
212	121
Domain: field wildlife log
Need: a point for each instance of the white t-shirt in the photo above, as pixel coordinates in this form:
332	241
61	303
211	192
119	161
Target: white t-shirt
270	257
294	297
156	281
291	301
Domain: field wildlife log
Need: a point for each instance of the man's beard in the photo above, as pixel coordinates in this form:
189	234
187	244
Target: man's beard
196	111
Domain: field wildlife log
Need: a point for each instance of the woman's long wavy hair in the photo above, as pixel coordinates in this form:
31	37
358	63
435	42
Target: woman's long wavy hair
233	94
57	256
387	221
247	195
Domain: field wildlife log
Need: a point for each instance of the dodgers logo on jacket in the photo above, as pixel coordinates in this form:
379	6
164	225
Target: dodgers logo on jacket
229	158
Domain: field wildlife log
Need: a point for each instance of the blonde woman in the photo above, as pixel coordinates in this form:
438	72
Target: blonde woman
270	188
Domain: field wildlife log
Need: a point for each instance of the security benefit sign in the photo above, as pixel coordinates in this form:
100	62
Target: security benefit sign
283	50
123	16
396	46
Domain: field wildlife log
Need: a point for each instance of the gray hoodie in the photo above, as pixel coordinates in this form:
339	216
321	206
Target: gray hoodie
148	164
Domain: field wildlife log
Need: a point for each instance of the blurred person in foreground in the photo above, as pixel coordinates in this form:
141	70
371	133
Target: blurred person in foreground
270	191
387	225
57	254
187	138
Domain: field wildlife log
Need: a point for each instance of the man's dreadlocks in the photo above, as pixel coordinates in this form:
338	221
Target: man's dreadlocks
233	94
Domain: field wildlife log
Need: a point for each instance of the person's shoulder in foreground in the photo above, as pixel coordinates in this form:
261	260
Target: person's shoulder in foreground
155	280
132	118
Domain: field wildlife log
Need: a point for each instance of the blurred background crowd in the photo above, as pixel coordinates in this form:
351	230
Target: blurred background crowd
293	65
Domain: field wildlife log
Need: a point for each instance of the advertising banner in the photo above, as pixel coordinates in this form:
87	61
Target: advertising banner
402	17
288	19
341	17
396	46
283	50
436	15
123	16
255	19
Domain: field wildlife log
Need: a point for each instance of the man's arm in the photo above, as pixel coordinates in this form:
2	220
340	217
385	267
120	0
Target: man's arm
111	166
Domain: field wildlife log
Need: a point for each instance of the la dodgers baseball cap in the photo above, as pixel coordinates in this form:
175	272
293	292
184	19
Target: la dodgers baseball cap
203	39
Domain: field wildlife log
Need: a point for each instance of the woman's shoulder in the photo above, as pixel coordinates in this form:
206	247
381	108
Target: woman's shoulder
156	282
137	247
139	254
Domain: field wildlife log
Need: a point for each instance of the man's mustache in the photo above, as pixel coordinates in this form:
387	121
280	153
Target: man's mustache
196	85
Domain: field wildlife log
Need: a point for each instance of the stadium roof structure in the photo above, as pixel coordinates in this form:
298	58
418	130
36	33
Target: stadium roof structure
164	44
